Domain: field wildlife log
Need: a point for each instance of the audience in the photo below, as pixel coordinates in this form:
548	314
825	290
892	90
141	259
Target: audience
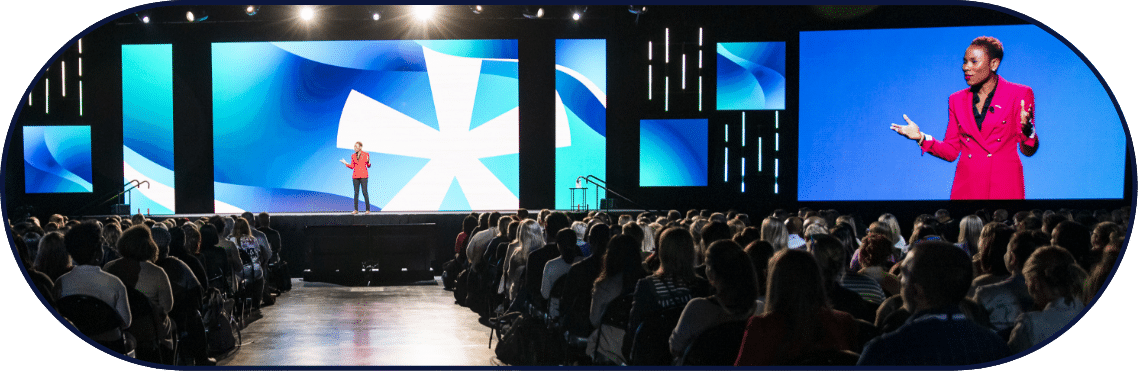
988	263
832	259
52	258
775	232
136	269
875	251
555	269
969	237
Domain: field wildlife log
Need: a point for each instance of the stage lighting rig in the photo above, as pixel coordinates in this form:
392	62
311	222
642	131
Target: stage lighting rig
251	10
196	15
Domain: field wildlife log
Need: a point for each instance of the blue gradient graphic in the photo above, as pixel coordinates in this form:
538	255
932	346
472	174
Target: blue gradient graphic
148	126
750	76
582	88
855	83
57	159
673	153
439	119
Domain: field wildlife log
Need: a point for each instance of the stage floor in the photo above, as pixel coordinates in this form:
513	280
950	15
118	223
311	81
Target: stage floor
319	324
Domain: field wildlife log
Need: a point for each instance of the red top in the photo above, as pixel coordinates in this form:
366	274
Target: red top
766	332
358	170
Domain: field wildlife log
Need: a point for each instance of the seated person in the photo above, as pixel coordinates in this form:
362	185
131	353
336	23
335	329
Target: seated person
84	244
1004	301
733	276
797	319
1055	280
934	278
557	267
619	275
137	270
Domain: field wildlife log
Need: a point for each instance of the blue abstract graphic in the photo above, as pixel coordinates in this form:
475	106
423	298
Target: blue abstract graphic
673	153
855	83
582	86
148	126
57	159
750	76
439	119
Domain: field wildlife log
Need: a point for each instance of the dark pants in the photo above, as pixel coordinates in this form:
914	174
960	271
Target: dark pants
356	184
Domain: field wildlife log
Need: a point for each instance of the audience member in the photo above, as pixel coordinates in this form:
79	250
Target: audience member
969	237
84	244
935	276
1004	301
774	232
1076	239
137	270
794	238
1055	280
988	263
760	253
555	269
832	261
52	258
875	251
797	320
730	272
619	277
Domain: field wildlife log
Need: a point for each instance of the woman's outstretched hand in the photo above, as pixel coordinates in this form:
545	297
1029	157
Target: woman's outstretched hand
1026	118
911	131
344	162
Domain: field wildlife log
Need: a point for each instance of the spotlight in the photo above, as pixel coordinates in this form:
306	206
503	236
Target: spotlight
307	13
424	12
196	16
540	13
143	17
375	16
576	16
637	10
252	10
477	9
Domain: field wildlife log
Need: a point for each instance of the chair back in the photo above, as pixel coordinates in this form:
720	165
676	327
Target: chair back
90	315
650	343
716	346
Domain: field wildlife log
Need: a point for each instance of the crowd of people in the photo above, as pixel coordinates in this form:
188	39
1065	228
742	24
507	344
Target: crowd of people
175	291
711	288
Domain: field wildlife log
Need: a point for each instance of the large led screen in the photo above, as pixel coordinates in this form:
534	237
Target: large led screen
750	76
673	153
581	101
57	159
148	126
854	84
439	119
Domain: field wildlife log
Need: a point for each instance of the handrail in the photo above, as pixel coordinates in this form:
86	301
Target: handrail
137	183
600	183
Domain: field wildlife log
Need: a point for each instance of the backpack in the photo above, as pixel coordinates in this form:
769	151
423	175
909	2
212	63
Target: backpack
222	332
250	258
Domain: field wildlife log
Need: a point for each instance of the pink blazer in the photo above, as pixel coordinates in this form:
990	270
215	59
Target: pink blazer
989	167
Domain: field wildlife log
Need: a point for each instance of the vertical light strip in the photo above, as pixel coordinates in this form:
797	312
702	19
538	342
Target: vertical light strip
666	83
743	167
80	66
701	94
744	125
29	99
776	188
725	165
776	169
46	96
649	50
62	79
80	46
701	36
776	120
726	134
743	183
683	71
701	59
667	43
649	82
80	98
776	142
760	154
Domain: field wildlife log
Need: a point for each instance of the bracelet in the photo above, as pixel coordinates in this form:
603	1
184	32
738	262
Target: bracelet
921	141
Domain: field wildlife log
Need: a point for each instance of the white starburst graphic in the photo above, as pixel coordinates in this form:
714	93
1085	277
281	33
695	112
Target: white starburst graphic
453	149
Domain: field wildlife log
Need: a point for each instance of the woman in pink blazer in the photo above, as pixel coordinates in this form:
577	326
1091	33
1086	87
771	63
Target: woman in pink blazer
360	162
987	123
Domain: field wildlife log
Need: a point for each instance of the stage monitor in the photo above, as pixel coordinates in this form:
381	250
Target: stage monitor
750	76
581	102
439	119
854	84
57	159
673	153
148	126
